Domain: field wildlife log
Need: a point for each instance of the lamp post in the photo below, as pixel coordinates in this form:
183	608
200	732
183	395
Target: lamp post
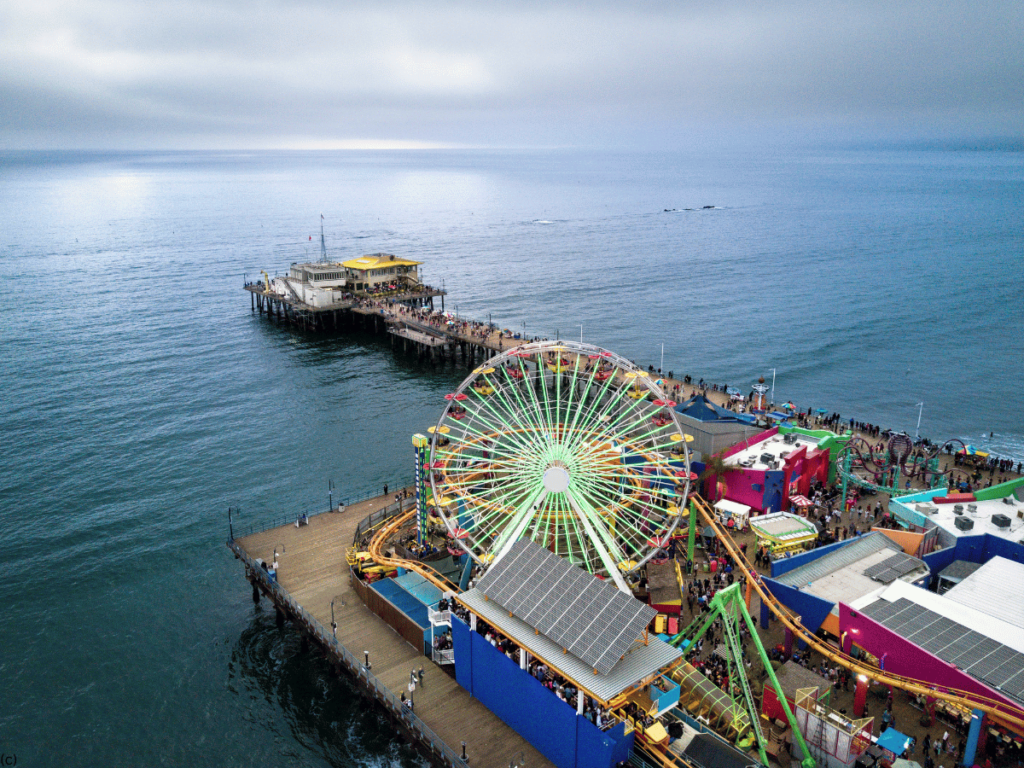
773	387
920	410
330	495
334	624
581	333
662	360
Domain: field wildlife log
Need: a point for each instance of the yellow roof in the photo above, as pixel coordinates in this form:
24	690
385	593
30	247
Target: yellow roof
379	261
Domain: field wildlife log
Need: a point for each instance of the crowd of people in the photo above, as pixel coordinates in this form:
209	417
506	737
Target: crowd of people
560	687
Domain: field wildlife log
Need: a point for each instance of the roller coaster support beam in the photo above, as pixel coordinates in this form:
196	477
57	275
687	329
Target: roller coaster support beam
973	734
730	607
692	535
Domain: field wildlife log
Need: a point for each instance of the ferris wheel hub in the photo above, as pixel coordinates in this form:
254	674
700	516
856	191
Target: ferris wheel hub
556	479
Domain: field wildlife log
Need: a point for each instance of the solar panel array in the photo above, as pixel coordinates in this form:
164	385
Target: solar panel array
892	568
588	617
988	660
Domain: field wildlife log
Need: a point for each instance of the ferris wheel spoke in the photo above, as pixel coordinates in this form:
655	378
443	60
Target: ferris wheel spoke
603	543
627	516
510	535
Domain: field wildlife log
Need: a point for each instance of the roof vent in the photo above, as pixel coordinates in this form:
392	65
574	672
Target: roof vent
964	523
1001	520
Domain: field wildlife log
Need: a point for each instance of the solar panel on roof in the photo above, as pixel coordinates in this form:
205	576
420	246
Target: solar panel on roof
588	617
881	610
943	640
994	664
920	627
907	565
982	657
906	618
892	568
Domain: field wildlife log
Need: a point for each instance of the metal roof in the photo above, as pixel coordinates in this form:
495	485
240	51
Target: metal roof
589	617
995	588
640	661
792	677
959	569
842	557
378	261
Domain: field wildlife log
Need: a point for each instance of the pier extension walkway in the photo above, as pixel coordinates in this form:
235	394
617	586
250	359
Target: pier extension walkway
313	571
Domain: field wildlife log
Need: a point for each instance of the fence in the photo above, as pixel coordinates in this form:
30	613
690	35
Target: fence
277	521
375	519
420	730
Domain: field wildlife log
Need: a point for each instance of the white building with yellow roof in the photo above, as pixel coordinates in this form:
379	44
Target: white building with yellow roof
367	272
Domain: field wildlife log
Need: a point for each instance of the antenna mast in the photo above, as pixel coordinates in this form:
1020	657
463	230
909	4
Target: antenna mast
323	245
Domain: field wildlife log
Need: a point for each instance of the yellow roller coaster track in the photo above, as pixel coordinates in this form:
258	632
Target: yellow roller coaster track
376	550
1001	712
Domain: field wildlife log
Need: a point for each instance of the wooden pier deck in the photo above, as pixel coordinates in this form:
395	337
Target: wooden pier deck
313	569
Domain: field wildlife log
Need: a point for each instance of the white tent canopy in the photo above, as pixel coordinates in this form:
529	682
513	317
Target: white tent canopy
739	513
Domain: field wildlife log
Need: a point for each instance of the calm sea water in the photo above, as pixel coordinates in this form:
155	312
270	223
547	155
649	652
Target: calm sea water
141	398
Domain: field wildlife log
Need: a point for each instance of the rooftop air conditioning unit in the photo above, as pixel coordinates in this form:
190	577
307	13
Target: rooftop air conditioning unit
1008	500
964	523
790	438
1001	520
767	458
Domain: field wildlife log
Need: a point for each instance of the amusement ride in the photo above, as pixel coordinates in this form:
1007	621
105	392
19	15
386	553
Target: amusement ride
569	445
581	451
881	468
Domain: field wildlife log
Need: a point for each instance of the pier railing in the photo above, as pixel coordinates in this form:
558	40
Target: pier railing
278	520
419	729
374	519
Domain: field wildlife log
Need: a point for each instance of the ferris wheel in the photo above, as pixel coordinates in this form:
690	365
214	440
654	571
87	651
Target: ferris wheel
567	444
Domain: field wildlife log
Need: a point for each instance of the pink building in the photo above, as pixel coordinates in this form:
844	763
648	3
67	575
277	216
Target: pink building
771	467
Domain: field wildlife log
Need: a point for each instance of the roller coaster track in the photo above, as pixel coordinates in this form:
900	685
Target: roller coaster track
999	711
376	550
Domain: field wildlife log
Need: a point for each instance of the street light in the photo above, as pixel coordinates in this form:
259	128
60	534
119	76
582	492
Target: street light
773	386
330	495
920	410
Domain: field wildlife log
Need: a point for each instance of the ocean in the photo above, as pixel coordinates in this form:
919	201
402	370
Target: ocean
142	398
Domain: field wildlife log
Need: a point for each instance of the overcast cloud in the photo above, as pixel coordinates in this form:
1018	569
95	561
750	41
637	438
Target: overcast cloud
180	73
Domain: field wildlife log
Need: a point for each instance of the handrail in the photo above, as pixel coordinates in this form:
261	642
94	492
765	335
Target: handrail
276	522
997	710
436	743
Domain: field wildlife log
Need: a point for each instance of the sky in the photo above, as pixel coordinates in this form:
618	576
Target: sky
323	74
